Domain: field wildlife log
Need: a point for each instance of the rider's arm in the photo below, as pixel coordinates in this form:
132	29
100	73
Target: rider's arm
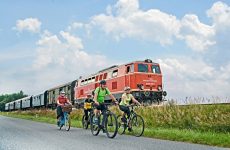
95	98
68	101
112	97
58	102
135	101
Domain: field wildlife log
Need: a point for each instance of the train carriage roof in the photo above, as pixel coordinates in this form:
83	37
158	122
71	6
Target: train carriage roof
116	66
62	85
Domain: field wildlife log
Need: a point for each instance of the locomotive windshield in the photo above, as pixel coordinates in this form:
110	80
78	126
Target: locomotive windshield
156	69
142	68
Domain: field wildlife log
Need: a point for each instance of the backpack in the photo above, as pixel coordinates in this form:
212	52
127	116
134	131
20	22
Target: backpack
106	91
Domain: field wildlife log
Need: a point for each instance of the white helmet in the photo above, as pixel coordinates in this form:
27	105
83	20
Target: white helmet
127	88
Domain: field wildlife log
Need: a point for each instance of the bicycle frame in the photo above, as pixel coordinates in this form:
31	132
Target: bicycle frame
132	113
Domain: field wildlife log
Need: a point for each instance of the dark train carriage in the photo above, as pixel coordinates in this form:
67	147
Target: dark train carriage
18	104
52	94
39	100
7	105
11	106
26	102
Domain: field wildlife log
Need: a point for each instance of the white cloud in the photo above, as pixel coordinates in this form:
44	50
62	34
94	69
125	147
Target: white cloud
193	77
126	20
197	35
129	21
220	14
61	58
65	51
127	7
75	25
57	59
29	24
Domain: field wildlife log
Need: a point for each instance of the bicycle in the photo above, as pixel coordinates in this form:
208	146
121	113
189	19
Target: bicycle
135	121
110	126
85	123
65	120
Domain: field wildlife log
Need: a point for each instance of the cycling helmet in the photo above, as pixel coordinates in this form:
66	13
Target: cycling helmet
103	82
62	92
127	88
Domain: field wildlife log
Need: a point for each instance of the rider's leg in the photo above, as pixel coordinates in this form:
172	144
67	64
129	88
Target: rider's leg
97	113
59	113
103	109
123	108
86	114
128	116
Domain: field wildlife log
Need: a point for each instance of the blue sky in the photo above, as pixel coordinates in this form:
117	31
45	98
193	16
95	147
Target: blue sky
49	42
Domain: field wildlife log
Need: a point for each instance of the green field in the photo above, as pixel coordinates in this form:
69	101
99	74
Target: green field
203	124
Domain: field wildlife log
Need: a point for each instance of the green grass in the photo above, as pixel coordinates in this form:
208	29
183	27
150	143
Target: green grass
203	124
185	135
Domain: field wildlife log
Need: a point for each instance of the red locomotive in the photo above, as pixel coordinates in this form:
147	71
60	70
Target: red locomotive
144	78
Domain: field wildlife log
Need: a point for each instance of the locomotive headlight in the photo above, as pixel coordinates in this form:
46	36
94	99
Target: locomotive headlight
164	93
159	88
140	86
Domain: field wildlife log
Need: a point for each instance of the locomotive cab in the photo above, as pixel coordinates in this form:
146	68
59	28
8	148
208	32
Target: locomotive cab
146	82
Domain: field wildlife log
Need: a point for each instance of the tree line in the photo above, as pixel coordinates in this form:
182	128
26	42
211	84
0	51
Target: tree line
6	98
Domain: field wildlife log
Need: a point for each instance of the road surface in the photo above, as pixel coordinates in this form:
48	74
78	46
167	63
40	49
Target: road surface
19	134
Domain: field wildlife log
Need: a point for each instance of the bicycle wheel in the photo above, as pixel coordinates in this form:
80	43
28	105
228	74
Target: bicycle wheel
94	127
111	125
138	125
121	125
84	122
60	126
67	122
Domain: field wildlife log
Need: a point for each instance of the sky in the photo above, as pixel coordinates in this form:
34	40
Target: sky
50	42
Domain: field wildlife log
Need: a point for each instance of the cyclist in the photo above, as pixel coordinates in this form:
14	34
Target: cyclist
61	101
126	98
88	105
99	97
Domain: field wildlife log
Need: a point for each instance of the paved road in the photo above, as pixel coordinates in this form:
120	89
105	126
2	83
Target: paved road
18	134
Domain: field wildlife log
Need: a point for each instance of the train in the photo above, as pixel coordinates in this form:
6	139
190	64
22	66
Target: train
46	99
143	77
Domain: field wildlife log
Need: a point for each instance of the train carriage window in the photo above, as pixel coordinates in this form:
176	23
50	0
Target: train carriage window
115	73
81	92
86	81
105	76
93	79
114	85
130	68
142	68
156	69
96	78
109	75
101	77
82	82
